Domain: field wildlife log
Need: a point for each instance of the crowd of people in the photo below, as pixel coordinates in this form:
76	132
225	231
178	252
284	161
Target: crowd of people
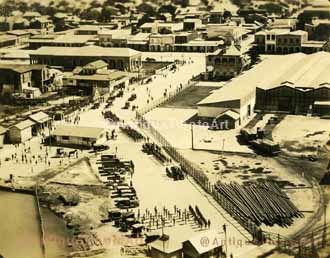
164	217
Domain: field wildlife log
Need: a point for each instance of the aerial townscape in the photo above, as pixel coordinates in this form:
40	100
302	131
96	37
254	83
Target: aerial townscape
165	128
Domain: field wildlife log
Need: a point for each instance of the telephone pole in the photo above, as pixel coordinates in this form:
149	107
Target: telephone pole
192	135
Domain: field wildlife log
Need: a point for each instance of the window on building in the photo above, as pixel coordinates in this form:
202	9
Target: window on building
273	37
268	37
65	138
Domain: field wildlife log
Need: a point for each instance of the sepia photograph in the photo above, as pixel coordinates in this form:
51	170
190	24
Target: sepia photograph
165	128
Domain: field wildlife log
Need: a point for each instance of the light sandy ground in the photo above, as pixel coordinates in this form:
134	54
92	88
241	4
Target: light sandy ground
152	185
155	189
304	199
80	174
155	89
170	123
302	134
34	165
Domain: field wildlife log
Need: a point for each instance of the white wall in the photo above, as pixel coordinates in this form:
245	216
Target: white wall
17	136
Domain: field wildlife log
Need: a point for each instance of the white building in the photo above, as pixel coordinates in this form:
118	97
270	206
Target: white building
69	135
21	132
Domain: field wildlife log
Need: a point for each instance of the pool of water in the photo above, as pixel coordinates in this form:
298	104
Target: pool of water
20	235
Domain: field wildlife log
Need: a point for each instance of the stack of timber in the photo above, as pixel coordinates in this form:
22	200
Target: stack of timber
262	203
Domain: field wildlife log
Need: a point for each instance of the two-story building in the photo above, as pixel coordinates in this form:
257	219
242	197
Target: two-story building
285	42
225	63
161	42
15	78
43	24
318	29
161	27
113	38
95	75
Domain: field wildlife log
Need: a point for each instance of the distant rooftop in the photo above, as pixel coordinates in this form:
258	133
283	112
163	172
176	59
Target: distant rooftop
94	51
96	65
7	37
21	68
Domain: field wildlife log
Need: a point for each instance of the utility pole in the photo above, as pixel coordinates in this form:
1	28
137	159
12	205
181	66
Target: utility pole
192	136
324	238
226	244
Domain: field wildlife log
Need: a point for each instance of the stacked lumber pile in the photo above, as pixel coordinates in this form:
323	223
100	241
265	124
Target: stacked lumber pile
262	203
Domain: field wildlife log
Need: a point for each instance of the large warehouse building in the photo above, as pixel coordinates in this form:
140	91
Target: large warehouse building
124	59
296	83
302	87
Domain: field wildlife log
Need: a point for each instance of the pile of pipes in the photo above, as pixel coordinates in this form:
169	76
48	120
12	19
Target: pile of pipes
134	134
261	203
154	149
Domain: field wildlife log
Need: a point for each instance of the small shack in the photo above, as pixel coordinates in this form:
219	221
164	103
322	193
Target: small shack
41	120
21	132
227	120
68	135
165	248
210	247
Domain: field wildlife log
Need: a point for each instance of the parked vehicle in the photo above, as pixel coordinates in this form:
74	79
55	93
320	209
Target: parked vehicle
96	105
248	134
100	147
266	146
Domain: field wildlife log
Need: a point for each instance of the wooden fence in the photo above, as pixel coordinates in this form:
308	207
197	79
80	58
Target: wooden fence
201	178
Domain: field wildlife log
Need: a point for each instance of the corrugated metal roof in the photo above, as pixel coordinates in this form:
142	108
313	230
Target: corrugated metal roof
24	124
40	117
78	131
300	70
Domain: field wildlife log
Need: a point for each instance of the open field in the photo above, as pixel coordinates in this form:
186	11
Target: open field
247	168
303	135
171	122
189	97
